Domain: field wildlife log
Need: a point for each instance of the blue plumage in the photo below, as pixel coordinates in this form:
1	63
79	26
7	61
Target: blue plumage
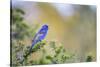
40	35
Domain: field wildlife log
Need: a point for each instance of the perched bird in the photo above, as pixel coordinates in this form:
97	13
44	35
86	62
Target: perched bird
39	36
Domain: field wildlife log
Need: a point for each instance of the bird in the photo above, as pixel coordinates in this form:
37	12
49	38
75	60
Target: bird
40	35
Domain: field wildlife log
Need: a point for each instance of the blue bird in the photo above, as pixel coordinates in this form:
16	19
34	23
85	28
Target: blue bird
39	36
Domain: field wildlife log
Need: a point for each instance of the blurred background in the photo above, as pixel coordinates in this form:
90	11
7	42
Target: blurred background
72	25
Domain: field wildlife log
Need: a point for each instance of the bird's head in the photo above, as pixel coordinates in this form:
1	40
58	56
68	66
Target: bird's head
45	26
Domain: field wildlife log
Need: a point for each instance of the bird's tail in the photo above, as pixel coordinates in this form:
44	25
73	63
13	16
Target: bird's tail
29	52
